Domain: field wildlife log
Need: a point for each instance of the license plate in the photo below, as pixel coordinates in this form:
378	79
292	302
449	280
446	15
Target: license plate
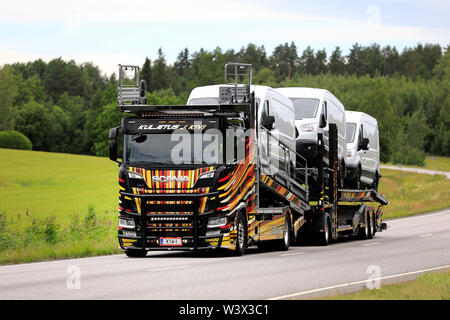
170	242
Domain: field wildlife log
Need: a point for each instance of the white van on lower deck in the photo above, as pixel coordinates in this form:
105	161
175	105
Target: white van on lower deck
363	151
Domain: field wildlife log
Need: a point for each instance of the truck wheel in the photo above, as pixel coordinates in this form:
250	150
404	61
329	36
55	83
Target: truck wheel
283	244
241	236
325	236
134	253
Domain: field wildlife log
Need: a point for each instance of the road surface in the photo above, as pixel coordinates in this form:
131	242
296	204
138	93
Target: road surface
408	248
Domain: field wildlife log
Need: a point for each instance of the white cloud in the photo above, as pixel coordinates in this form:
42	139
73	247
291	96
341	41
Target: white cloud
75	12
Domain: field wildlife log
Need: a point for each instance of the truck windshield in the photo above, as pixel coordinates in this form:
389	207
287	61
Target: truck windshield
167	149
350	129
305	108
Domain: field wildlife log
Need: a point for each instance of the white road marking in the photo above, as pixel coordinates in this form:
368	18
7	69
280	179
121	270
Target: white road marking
426	235
356	282
169	268
291	254
371	244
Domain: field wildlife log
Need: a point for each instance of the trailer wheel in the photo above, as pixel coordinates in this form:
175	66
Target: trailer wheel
241	235
135	253
325	236
283	244
372	226
364	233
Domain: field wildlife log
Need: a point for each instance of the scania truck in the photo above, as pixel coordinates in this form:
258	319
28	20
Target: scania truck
208	176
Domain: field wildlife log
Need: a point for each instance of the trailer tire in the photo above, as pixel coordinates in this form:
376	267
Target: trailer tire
283	244
364	233
324	237
136	253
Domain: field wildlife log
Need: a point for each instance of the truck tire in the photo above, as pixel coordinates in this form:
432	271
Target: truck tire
241	236
283	244
135	253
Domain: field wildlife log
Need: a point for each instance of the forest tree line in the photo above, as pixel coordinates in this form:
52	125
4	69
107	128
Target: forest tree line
62	106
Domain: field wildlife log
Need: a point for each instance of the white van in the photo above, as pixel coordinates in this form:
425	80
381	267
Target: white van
269	103
314	110
363	151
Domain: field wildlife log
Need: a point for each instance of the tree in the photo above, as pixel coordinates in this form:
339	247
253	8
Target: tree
160	79
146	72
307	61
8	91
321	62
183	62
337	62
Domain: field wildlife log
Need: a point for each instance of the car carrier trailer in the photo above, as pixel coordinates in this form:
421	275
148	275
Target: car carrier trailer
228	204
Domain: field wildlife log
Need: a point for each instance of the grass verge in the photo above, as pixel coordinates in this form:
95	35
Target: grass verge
413	193
431	286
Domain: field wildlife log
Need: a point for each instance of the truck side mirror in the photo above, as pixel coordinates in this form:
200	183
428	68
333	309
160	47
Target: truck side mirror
364	145
268	122
113	143
323	121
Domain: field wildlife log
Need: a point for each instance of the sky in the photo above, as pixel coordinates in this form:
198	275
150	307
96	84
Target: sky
110	32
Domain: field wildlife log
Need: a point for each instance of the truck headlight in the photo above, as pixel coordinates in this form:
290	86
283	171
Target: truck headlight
126	223
133	175
217	222
307	127
207	175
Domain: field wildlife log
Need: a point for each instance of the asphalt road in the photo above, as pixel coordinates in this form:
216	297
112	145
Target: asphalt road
408	248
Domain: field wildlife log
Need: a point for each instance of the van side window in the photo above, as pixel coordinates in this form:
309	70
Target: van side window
361	134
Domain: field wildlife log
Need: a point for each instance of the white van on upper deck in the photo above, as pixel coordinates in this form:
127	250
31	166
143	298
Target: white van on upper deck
363	150
314	110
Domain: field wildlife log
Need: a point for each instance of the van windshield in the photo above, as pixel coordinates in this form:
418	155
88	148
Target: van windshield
305	108
350	129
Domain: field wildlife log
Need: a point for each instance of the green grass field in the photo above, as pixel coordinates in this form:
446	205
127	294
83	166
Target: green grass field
41	184
36	186
431	286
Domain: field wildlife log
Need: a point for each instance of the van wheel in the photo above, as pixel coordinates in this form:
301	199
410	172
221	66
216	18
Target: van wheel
341	176
375	182
357	182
